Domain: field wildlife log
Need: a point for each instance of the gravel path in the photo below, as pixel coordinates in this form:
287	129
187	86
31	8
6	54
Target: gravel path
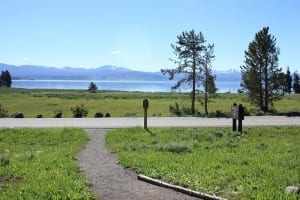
111	181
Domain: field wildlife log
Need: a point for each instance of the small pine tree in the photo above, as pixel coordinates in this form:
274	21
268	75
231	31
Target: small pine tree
296	83
5	79
93	87
288	81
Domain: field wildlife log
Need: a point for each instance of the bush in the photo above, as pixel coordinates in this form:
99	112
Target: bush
58	114
179	147
293	114
18	115
4	161
182	111
98	115
3	112
39	116
186	111
175	110
107	115
79	111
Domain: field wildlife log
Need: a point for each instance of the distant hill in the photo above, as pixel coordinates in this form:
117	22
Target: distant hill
229	75
107	72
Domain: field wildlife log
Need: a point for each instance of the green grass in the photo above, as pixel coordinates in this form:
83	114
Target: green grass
257	164
40	164
119	104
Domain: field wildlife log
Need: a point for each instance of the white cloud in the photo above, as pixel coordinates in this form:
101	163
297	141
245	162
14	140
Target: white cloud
25	59
115	52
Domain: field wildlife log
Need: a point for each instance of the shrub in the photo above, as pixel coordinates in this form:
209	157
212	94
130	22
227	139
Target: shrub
3	112
182	111
58	114
39	116
293	114
186	111
79	111
175	110
107	115
98	115
4	161
18	115
179	147
260	113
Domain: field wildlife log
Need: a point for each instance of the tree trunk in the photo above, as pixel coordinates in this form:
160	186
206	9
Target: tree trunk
205	91
261	95
194	87
266	106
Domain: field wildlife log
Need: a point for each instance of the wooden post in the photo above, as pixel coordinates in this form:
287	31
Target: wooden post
234	116
145	106
241	118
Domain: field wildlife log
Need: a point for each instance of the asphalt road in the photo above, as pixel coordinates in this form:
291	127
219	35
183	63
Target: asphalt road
139	122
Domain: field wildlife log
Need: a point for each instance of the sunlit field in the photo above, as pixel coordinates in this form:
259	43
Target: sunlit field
123	104
40	164
256	164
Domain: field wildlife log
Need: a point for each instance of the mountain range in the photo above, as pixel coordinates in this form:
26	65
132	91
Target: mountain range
105	73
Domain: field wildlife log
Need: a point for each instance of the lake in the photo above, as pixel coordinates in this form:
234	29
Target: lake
143	86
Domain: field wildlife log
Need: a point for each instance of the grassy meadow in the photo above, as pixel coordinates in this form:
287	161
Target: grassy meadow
40	164
258	164
120	104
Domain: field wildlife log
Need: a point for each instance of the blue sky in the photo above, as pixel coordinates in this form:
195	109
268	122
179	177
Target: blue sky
137	33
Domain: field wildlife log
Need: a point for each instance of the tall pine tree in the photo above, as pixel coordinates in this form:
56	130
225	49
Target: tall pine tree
193	58
208	80
261	76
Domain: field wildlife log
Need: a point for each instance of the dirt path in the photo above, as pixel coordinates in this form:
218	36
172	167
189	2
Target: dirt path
110	181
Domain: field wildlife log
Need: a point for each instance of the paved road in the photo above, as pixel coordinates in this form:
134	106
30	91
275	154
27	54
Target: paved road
152	122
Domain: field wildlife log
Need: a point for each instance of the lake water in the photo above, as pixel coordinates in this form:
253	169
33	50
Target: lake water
143	86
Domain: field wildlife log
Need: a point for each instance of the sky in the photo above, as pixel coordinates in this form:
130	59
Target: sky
138	34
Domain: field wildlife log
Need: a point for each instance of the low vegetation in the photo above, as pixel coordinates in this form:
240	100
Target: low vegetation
256	164
3	112
79	111
57	103
40	164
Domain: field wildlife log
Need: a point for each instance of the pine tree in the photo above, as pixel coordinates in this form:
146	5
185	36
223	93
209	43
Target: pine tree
208	80
5	79
261	76
193	55
296	83
93	87
288	81
211	85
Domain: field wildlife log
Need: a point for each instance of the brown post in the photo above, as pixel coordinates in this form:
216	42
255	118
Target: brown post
145	106
233	115
241	118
